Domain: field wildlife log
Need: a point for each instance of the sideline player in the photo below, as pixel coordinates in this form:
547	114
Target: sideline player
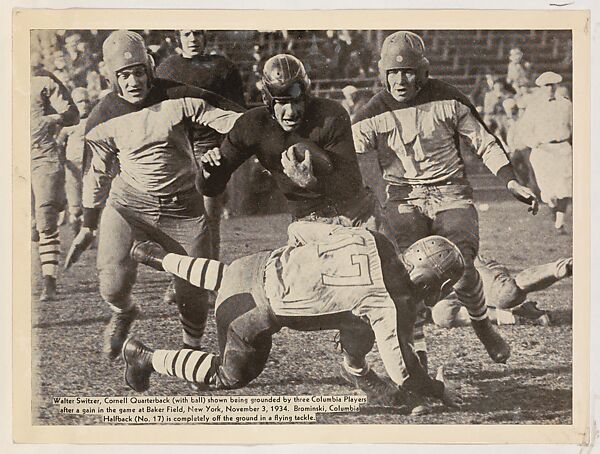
140	133
70	139
51	108
505	295
325	183
327	277
413	127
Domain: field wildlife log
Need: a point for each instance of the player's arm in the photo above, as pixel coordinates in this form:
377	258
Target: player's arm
96	185
364	133
218	165
60	100
392	324
100	170
488	148
202	113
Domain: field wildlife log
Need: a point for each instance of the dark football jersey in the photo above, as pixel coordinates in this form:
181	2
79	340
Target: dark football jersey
326	124
210	72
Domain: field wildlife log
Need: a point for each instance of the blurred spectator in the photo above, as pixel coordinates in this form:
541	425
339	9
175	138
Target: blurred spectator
518	70
493	111
547	129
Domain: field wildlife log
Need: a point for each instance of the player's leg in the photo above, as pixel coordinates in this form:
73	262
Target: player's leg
214	209
117	273
539	277
408	224
73	186
500	288
187	236
450	313
46	182
460	224
244	329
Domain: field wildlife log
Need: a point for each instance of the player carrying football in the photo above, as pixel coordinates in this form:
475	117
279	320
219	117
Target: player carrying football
327	277
138	138
414	128
323	183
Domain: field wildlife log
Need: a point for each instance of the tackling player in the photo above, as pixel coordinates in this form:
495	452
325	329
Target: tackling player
138	139
413	128
323	183
51	108
505	295
327	277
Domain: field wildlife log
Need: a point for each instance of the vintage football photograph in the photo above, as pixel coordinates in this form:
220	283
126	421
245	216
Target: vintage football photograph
379	213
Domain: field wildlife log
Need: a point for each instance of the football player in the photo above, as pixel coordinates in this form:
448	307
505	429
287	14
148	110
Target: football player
327	277
411	131
51	109
70	139
305	142
193	66
138	140
505	295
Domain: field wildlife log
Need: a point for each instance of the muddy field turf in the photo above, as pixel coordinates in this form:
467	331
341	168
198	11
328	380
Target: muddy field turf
535	387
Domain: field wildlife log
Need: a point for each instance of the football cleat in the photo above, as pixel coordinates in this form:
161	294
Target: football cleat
49	290
378	391
138	364
418	405
117	331
496	347
148	253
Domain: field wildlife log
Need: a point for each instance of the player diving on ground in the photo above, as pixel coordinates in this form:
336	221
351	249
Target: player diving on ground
327	278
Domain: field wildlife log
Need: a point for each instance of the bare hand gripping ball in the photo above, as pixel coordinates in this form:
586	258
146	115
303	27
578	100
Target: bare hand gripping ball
321	163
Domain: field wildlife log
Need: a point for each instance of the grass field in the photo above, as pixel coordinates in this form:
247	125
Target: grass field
535	387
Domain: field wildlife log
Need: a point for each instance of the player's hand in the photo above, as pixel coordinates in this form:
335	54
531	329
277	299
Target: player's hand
452	397
524	194
211	158
80	243
301	173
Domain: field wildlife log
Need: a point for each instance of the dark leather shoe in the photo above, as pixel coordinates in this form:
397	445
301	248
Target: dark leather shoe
148	253
138	364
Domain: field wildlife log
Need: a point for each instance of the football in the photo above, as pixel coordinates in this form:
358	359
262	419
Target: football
321	163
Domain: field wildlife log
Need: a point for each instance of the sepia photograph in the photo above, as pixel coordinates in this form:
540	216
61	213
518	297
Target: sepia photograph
332	227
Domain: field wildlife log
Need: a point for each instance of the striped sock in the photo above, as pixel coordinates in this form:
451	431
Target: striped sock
419	342
192	332
49	250
201	272
564	268
472	298
191	365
